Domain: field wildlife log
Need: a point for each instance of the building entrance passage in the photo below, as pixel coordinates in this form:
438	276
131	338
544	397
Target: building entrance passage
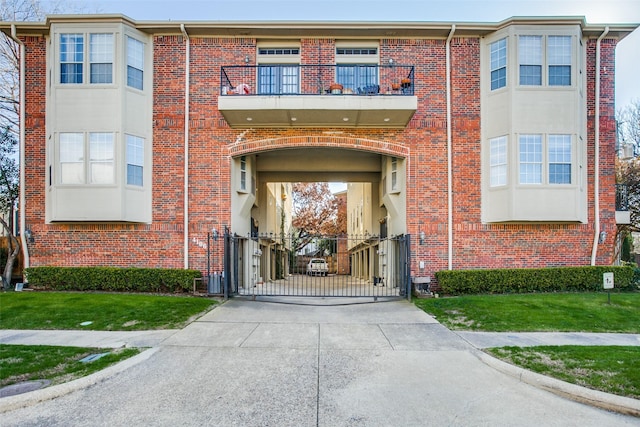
318	266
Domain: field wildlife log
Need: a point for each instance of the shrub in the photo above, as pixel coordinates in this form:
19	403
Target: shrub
111	279
514	280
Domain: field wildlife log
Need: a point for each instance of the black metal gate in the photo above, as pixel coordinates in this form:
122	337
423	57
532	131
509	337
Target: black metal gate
318	266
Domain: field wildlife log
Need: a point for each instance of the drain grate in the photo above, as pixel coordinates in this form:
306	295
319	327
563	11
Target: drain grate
93	357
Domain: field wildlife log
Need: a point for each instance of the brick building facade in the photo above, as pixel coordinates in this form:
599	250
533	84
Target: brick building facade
447	196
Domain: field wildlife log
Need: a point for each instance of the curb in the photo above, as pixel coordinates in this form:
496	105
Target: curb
599	399
24	400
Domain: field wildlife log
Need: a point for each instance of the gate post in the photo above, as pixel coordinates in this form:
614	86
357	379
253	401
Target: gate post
407	267
226	269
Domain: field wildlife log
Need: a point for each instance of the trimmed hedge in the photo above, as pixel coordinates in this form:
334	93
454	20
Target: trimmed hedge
527	280
111	279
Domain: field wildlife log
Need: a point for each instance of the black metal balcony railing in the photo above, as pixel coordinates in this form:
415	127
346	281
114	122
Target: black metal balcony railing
622	197
317	80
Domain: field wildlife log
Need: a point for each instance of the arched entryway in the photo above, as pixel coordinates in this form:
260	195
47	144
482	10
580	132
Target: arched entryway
262	172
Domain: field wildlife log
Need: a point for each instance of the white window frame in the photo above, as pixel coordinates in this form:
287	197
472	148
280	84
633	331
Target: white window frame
135	147
530	54
560	153
135	63
498	161
98	50
279	65
71	156
499	54
101	47
559	55
555	50
539	152
71	56
94	152
355	61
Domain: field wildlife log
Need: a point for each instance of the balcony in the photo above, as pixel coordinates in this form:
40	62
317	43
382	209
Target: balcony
623	215
346	96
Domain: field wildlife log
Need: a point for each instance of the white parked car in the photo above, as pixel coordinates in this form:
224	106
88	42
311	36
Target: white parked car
317	267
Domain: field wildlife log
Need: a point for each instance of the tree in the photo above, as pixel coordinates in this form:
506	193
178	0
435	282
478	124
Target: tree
315	213
628	170
9	192
628	121
15	11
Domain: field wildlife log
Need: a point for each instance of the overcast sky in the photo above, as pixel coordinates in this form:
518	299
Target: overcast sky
595	11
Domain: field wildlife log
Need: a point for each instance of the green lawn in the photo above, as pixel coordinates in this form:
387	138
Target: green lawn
612	369
57	364
68	310
105	311
561	312
609	369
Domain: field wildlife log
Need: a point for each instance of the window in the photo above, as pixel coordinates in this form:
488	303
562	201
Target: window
394	174
530	59
71	58
559	159
101	58
498	161
135	63
530	159
278	79
498	64
559	59
279	51
243	173
356	67
71	158
355	76
100	166
135	160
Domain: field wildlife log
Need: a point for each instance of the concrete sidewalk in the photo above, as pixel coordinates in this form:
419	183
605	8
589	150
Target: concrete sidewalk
262	363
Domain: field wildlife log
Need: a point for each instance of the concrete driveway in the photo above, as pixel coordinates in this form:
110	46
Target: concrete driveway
251	363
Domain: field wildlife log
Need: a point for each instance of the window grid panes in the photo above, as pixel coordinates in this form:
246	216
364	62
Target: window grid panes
101	158
394	174
530	60
498	161
559	58
498	64
278	79
243	173
356	76
135	63
71	58
530	159
101	58
71	158
559	159
279	51
357	51
135	160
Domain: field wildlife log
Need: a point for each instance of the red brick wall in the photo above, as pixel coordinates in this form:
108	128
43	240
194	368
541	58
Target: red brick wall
212	142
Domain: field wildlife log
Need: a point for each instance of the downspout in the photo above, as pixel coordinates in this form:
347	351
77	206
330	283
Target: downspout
186	145
596	179
449	154
22	198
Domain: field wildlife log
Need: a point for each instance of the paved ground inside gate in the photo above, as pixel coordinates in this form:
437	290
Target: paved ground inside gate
253	363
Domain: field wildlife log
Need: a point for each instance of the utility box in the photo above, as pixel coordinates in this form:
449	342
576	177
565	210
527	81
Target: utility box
213	287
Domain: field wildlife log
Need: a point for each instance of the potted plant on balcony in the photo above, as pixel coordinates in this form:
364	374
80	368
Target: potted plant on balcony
335	88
